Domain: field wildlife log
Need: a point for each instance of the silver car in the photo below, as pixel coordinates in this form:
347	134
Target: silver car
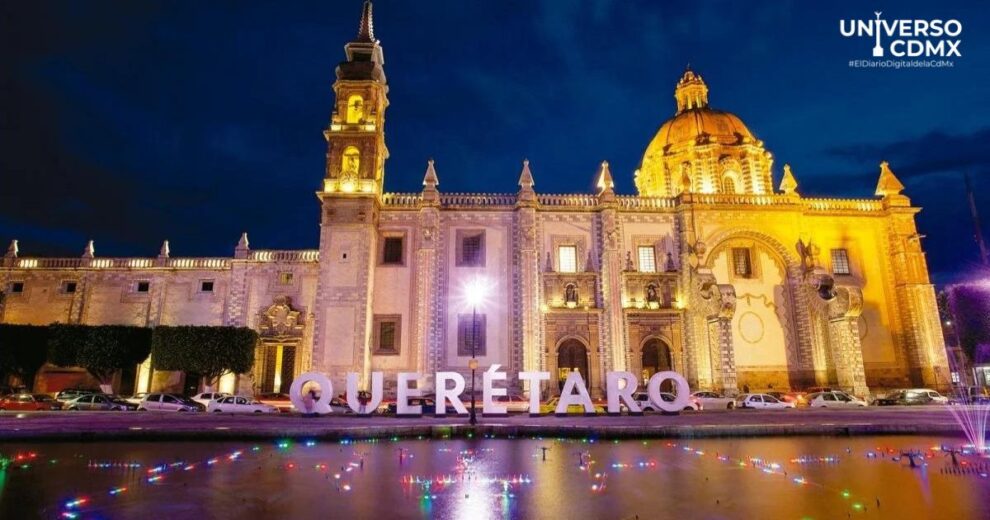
169	403
102	402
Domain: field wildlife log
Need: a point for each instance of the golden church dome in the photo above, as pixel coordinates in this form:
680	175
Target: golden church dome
703	150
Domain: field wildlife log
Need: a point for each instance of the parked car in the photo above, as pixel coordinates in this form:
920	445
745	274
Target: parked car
834	400
278	400
646	404
237	404
71	393
762	401
714	401
819	389
136	398
100	402
169	403
428	404
205	398
514	403
913	396
798	398
551	407
29	402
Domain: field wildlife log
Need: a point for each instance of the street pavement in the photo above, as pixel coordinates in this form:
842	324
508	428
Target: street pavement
74	425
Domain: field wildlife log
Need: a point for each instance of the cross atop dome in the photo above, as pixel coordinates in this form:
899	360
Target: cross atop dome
691	91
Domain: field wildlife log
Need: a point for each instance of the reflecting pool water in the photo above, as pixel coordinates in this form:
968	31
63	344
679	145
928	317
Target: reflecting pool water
792	477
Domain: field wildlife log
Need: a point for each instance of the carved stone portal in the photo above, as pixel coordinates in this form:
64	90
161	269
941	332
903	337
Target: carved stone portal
280	320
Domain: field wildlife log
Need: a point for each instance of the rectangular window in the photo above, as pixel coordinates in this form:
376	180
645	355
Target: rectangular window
142	286
16	287
647	259
206	286
567	259
285	278
742	264
392	251
69	287
470	248
471	332
387	334
840	261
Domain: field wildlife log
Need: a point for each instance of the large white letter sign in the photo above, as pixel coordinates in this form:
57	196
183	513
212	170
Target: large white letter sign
404	393
568	397
617	390
321	405
682	393
453	395
353	399
489	407
534	379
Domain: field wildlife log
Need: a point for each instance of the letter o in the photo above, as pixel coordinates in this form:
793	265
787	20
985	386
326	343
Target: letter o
681	396
322	405
952	27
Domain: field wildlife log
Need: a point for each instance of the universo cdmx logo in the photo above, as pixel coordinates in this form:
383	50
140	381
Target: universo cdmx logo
919	40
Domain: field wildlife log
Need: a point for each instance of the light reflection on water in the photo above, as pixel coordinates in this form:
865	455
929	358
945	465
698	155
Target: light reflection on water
796	477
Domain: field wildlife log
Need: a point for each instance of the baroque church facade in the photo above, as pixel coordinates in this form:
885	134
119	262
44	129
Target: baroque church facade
708	270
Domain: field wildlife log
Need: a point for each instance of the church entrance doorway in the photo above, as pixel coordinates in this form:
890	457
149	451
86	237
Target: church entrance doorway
656	358
572	355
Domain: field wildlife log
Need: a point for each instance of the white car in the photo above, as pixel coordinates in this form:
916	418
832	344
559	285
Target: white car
205	397
646	404
168	403
236	404
763	401
834	399
714	401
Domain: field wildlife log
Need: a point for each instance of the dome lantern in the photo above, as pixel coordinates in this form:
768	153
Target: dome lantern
691	92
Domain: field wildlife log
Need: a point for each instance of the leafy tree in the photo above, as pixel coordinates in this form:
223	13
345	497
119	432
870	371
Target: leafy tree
23	350
209	351
101	349
970	306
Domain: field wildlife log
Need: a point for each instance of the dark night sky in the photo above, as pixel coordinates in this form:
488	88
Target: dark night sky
132	122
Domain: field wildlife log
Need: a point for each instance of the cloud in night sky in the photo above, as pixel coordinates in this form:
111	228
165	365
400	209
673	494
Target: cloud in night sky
134	122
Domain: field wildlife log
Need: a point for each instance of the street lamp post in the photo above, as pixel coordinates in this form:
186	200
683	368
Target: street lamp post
475	291
474	360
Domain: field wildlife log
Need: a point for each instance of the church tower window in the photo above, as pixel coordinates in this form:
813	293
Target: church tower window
742	263
355	109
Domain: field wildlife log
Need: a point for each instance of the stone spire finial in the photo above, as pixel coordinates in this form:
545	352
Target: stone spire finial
243	247
164	251
788	184
12	250
548	268
89	251
430	180
605	183
366	28
589	264
526	177
888	185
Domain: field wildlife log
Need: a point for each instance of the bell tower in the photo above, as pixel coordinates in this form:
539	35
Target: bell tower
356	149
350	206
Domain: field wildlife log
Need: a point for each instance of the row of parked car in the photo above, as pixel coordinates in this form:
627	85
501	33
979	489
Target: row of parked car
220	402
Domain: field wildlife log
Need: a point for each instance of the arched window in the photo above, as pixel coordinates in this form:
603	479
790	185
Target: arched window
355	109
350	163
729	185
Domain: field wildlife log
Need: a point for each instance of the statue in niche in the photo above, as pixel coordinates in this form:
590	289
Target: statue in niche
651	293
355	109
350	163
570	293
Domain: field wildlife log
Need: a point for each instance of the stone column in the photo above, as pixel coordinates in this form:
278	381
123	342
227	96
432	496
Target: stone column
846	349
426	339
527	314
614	352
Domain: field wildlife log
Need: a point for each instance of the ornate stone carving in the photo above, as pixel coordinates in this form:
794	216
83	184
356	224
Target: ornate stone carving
280	320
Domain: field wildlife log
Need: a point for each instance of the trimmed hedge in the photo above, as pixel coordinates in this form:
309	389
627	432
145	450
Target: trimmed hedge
209	351
101	349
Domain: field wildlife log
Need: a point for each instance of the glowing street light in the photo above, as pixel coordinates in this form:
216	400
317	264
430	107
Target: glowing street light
474	294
